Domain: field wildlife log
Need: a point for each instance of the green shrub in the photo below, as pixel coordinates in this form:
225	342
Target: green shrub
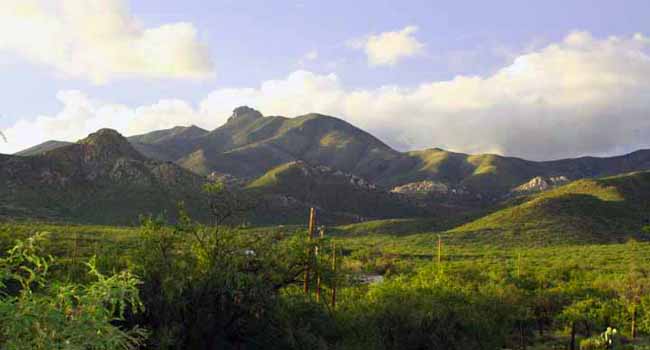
591	344
38	313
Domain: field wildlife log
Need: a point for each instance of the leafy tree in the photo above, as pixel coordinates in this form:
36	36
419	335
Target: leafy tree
38	313
214	287
227	204
586	313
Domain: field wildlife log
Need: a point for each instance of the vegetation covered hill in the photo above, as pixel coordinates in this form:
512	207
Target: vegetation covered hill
42	148
266	152
289	190
100	179
589	210
168	144
249	144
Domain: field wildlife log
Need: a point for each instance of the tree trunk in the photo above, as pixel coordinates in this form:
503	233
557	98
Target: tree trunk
573	336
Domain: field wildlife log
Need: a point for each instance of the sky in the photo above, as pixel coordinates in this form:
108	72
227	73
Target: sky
539	80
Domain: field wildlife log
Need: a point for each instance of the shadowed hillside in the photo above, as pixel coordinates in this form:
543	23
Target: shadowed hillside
100	179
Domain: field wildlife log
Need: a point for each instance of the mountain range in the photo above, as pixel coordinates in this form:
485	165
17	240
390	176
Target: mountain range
290	164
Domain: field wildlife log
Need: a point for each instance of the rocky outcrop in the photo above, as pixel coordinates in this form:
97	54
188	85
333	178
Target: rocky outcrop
427	187
540	184
244	113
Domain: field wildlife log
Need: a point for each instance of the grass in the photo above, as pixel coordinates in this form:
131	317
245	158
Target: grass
410	250
270	178
594	210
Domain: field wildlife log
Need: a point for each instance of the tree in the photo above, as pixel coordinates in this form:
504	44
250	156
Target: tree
38	313
631	289
584	312
228	204
214	287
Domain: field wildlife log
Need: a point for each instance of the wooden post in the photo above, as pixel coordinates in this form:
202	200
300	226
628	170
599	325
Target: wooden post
72	269
310	233
334	276
439	254
321	234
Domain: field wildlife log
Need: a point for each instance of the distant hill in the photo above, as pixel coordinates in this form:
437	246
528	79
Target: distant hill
42	148
589	210
289	190
249	144
170	144
100	179
252	148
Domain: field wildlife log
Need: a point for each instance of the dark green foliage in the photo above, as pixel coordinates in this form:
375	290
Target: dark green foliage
213	287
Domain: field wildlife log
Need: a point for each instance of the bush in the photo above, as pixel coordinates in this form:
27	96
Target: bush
38	313
591	344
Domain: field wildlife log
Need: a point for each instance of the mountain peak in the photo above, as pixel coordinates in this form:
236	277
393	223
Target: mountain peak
245	113
109	143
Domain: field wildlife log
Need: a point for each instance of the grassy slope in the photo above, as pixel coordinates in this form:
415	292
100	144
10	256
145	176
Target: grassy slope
250	146
606	209
112	245
337	195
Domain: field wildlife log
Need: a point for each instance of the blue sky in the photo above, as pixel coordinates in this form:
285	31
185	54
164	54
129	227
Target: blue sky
230	49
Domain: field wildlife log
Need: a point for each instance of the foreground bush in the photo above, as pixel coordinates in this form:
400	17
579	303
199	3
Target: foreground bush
38	313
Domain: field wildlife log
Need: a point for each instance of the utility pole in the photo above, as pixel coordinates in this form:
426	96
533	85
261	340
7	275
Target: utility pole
439	254
334	276
321	234
310	233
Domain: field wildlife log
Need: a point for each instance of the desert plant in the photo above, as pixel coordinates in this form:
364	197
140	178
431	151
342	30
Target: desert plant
39	313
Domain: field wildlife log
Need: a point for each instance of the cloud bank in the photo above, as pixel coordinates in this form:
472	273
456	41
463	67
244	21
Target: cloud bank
583	95
100	41
389	48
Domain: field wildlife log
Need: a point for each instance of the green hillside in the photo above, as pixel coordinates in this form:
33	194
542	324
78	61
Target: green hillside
250	144
42	148
101	179
168	144
289	190
589	210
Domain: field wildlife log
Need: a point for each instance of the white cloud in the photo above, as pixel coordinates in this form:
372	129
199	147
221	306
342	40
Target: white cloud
99	40
583	95
388	48
82	115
